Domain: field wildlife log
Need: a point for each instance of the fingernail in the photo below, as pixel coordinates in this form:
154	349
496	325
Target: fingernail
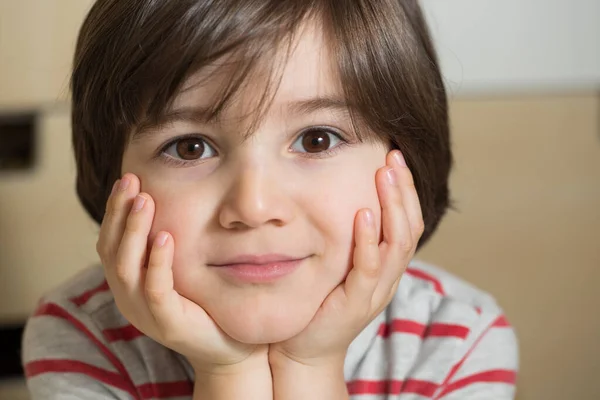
399	158
368	216
161	239
391	176
114	188
124	184
138	203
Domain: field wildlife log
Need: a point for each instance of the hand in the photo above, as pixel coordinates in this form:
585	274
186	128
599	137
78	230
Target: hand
373	279
146	296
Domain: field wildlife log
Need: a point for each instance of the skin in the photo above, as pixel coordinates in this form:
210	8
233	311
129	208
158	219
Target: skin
353	213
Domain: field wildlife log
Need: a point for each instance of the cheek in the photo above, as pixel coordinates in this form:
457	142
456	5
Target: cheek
180	215
335	207
343	199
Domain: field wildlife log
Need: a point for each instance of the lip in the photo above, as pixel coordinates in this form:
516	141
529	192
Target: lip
259	268
257	259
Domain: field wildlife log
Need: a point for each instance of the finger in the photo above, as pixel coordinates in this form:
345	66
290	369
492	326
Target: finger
397	243
101	243
365	273
113	224
159	287
394	221
410	197
163	301
131	255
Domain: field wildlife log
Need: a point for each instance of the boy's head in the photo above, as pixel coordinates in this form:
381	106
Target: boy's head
257	127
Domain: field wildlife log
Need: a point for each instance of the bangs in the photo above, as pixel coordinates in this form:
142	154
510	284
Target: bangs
233	49
251	46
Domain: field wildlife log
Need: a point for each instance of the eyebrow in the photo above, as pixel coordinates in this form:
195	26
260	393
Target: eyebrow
201	115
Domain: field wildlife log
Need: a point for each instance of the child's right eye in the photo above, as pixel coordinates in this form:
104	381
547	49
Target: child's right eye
183	150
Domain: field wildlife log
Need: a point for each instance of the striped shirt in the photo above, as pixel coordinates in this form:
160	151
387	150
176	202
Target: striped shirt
439	338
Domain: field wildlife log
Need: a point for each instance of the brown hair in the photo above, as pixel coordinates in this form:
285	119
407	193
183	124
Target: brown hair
133	56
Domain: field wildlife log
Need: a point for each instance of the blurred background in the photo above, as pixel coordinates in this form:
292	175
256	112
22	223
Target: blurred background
524	82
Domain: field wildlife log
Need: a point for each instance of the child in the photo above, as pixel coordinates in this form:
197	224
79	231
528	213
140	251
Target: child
239	259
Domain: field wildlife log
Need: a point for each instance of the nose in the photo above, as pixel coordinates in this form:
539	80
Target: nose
255	198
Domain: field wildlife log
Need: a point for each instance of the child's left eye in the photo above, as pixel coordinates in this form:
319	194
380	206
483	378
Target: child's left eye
317	140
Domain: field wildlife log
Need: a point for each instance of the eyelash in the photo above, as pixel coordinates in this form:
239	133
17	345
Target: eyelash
171	161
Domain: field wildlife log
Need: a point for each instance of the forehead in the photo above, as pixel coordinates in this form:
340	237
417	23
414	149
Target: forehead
295	72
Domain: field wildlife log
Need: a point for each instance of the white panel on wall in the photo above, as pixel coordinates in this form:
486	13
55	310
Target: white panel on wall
517	45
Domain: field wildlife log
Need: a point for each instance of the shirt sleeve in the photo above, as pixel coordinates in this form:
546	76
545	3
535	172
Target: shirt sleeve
488	368
64	359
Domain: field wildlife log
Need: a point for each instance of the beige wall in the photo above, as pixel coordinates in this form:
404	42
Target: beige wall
526	184
37	38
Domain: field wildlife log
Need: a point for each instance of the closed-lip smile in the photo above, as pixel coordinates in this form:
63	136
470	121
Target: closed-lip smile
265	268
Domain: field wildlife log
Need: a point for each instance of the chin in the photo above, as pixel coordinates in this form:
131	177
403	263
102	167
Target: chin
265	325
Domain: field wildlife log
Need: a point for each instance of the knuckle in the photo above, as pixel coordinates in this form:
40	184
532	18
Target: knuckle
112	207
371	269
121	273
419	227
109	204
151	262
405	244
155	296
364	313
113	214
170	336
131	226
407	177
100	248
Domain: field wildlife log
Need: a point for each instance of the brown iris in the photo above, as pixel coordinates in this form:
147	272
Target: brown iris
190	149
316	141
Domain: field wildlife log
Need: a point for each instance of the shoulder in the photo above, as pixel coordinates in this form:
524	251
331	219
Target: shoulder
77	343
461	339
446	305
87	291
84	302
422	278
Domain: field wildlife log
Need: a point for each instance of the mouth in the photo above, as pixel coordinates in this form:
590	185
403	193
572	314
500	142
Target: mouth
259	268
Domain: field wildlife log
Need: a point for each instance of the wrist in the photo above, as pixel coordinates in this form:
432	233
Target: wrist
256	360
250	384
282	360
322	378
249	379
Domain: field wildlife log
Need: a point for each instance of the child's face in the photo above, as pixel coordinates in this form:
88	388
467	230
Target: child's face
275	193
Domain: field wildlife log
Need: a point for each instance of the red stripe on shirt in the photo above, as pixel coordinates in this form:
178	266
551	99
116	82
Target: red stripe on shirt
447	330
50	309
493	376
421	330
125	333
392	387
84	297
166	389
500	320
437	285
361	386
422	388
401	326
39	367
